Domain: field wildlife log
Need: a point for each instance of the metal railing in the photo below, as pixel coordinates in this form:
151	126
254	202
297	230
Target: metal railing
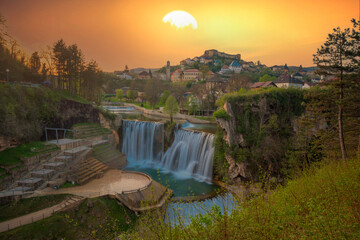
59	129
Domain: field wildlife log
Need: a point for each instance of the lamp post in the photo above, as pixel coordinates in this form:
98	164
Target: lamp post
7	75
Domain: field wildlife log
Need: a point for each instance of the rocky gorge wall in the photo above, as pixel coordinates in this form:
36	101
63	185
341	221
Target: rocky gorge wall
256	132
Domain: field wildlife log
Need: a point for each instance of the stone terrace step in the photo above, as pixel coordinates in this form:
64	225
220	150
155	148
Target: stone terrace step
66	143
44	173
76	150
30	182
64	159
99	142
54	165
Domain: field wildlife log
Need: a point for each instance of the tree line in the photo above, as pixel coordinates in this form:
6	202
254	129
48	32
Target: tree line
59	66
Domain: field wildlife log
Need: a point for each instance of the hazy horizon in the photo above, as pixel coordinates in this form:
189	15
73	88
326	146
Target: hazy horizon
118	33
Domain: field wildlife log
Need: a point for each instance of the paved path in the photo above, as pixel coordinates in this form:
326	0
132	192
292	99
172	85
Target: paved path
159	114
39	215
113	181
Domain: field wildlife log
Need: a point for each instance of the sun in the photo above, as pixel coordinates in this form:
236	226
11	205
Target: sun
180	19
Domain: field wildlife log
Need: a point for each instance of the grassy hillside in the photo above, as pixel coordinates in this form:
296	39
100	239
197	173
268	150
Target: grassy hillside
98	218
322	204
28	205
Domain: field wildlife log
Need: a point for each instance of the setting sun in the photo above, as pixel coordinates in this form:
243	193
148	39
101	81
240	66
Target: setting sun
180	19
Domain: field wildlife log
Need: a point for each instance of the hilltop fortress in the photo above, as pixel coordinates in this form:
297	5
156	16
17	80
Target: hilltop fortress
215	53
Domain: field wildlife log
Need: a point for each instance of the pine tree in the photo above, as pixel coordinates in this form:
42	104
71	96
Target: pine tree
337	57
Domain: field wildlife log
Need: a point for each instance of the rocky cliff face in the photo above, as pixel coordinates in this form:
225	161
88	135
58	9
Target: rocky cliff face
71	112
229	126
257	129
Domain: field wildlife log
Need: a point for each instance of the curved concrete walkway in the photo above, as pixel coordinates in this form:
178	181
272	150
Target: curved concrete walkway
114	181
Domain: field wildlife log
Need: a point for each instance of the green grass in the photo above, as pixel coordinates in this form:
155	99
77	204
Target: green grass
68	95
11	156
85	130
98	218
147	105
4	176
323	203
28	205
69	184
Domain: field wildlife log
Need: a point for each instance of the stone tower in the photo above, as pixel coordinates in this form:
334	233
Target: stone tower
168	71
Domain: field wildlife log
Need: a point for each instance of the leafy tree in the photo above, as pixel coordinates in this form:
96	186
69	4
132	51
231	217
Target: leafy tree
238	81
2	30
196	65
132	94
204	69
119	93
164	97
337	57
193	105
153	89
267	78
171	107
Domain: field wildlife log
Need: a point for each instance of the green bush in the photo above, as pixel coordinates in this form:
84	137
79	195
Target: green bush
221	113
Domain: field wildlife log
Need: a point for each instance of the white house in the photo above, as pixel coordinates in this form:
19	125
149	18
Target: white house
235	66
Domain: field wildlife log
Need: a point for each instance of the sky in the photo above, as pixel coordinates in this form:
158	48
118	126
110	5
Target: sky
116	33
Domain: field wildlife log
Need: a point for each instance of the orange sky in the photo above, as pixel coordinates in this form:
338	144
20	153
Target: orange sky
119	32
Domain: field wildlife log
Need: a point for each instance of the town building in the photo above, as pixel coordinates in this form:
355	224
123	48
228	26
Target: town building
144	75
258	85
286	81
297	76
177	75
191	75
225	70
235	66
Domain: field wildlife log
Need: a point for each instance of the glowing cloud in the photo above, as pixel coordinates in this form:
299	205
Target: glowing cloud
180	19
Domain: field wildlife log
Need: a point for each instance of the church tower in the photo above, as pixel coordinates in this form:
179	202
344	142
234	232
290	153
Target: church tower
168	71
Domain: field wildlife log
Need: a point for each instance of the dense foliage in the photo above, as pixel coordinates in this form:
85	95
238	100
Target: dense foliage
321	204
25	111
265	120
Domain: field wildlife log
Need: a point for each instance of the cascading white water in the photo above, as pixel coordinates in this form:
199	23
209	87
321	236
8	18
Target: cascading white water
190	155
143	141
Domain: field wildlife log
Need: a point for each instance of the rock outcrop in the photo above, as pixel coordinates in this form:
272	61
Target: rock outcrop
237	169
231	137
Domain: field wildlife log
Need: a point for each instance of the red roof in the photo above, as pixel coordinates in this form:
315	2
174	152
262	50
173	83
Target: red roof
262	84
225	67
191	70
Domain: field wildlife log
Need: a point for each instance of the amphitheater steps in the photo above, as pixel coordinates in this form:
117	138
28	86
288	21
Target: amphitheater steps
89	169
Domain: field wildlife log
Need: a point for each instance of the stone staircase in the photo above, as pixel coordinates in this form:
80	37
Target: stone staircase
89	169
107	154
53	171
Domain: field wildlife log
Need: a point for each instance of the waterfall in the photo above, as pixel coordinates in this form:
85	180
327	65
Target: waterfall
143	141
190	155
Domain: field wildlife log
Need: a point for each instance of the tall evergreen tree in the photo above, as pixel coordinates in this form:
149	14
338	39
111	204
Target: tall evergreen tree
337	58
35	63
